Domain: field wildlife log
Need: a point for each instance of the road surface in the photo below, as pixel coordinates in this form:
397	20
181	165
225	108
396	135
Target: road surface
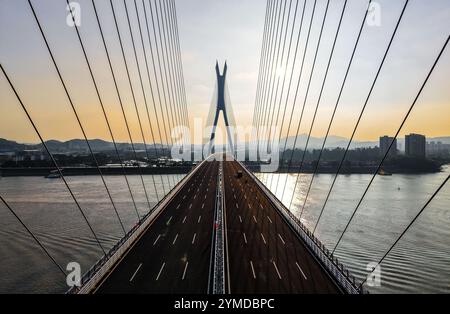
265	255
262	253
173	254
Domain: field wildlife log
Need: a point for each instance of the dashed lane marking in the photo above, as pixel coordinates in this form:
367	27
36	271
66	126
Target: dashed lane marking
132	277
282	240
264	239
160	271
157	239
175	239
185	268
276	268
253	270
299	268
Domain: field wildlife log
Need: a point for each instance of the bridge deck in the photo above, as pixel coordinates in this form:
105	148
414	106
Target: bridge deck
263	254
173	254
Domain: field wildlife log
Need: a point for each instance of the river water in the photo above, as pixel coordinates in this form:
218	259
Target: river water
419	263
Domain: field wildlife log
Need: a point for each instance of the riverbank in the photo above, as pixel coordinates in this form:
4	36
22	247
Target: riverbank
86	171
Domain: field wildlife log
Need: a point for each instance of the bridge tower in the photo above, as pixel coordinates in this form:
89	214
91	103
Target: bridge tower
221	105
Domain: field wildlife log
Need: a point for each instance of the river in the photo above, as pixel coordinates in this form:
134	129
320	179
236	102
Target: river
419	263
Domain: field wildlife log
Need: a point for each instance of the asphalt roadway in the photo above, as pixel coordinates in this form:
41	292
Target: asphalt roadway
264	253
173	254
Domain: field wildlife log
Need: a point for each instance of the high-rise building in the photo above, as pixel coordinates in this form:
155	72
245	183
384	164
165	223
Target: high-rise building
438	149
415	145
385	141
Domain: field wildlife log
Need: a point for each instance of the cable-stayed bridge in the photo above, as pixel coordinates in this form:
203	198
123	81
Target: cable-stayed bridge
219	228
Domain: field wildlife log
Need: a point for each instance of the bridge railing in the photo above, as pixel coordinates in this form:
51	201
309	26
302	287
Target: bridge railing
96	273
326	259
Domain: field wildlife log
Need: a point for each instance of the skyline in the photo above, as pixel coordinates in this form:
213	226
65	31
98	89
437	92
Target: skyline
202	43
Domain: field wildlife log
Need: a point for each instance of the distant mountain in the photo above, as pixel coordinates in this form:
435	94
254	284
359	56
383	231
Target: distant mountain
75	145
6	145
317	142
78	145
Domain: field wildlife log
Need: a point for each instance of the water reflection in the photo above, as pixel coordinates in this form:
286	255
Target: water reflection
421	260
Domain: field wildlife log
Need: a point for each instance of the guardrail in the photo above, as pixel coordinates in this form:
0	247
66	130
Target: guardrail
219	268
330	263
95	274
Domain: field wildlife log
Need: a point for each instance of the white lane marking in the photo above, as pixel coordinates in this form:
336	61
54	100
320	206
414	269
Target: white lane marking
184	196
253	270
193	239
157	239
160	271
195	196
276	268
184	220
245	238
189	189
301	270
281	239
132	277
168	221
254	218
237	206
190	206
269	219
245	196
184	272
205	197
175	240
234	196
240	219
260	206
199	218
203	205
264	239
178	206
249	206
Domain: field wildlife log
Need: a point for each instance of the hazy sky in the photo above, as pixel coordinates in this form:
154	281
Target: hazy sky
229	30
